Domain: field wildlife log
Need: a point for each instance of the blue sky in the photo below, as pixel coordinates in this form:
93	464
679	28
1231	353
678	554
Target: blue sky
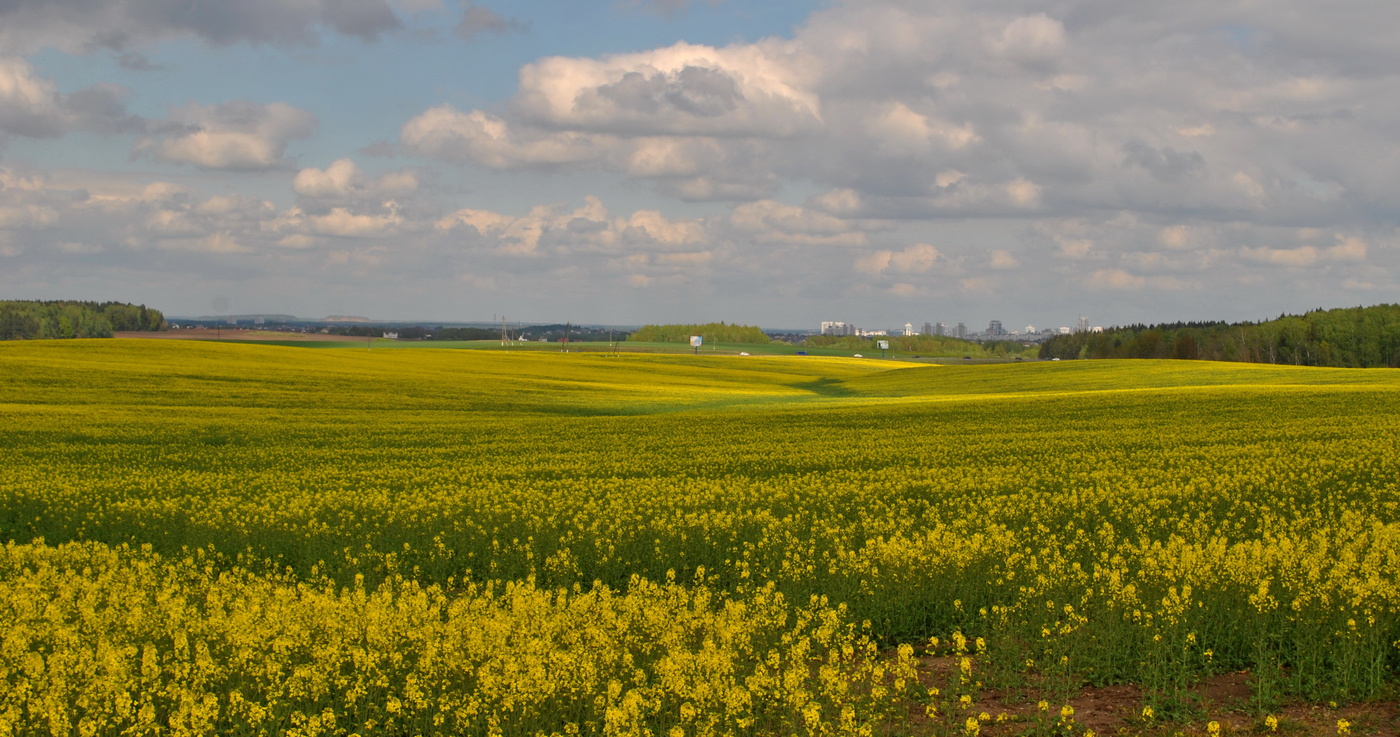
779	163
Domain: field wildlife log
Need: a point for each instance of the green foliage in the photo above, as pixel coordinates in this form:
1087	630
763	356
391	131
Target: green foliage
925	345
467	334
1355	337
712	332
39	320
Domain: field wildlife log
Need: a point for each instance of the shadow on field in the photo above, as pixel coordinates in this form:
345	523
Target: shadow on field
829	388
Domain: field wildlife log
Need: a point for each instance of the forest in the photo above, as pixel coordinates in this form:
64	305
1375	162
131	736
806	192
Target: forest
1352	337
56	319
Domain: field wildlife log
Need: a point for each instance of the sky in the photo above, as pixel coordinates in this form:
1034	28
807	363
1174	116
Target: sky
778	163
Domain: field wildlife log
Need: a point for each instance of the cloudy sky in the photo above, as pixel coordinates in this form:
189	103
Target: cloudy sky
778	162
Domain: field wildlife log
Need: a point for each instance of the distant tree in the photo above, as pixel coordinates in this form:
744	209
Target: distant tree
56	319
712	332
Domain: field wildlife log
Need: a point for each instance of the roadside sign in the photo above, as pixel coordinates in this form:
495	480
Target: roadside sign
695	341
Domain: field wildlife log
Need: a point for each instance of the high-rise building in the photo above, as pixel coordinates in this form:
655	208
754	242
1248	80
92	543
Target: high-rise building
1083	325
928	329
836	327
962	331
940	329
994	329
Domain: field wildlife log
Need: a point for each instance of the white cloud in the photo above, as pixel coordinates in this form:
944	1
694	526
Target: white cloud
80	26
344	180
916	259
1116	279
29	105
1121	280
768	221
18	217
1347	249
446	133
901	130
346	223
1003	259
685	89
590	228
1032	40
233	135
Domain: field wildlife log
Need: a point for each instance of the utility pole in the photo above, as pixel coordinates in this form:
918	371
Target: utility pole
567	327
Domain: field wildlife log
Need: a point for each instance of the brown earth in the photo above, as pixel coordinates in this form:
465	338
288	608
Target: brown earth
1118	710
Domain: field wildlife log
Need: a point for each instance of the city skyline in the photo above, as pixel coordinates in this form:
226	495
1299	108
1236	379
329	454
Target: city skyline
672	161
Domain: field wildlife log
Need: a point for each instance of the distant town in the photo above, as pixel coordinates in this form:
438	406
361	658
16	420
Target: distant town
995	331
553	332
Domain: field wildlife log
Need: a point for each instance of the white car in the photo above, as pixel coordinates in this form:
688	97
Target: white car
859	356
743	353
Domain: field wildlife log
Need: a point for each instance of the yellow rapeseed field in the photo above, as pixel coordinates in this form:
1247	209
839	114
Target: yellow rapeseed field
231	539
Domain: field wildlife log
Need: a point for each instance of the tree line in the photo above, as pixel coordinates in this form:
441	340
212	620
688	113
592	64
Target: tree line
928	345
712	332
59	319
1355	337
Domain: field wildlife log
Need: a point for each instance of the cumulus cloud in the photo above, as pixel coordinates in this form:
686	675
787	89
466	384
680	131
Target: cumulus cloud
1348	248
1004	259
344	222
916	259
590	228
343	180
446	133
683	89
1115	147
769	221
682	115
1032	40
84	25
233	135
990	111
1122	280
30	105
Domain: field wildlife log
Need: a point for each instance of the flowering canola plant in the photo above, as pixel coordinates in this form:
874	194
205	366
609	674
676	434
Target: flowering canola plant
209	538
